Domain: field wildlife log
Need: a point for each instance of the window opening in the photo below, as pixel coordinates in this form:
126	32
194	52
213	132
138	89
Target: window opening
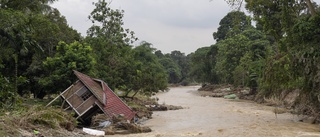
84	93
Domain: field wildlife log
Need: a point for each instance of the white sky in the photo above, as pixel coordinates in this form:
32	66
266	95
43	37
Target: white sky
183	25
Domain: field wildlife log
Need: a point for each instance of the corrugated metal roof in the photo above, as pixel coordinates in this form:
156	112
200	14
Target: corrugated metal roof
92	85
115	105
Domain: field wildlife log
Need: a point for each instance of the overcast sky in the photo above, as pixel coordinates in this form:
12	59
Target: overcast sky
183	25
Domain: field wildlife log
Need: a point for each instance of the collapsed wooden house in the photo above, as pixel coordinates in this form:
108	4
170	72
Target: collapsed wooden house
88	97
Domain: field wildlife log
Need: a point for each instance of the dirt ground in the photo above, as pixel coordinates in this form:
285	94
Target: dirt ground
218	117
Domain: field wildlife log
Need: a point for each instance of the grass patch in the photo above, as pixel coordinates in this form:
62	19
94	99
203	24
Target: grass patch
273	101
8	128
49	117
35	101
38	118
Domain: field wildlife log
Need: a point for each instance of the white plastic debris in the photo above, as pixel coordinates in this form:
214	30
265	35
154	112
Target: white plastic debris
105	124
93	132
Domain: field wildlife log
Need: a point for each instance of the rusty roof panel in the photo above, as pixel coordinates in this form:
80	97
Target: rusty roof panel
115	105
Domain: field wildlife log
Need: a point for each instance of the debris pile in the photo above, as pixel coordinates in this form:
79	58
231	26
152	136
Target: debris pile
50	117
144	107
163	107
38	121
116	125
225	91
216	90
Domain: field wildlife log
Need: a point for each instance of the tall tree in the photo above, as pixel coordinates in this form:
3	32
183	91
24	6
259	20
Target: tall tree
182	61
278	19
30	33
110	43
150	74
202	64
238	4
311	8
74	56
51	27
304	45
111	22
16	41
231	24
36	6
173	70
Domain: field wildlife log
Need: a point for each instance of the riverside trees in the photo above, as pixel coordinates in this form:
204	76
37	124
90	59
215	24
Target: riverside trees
39	50
238	55
278	54
123	67
28	33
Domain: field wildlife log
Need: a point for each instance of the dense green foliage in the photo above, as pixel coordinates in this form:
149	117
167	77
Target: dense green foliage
28	34
233	23
121	66
177	65
280	53
40	51
305	55
172	69
110	44
150	74
237	58
203	62
68	57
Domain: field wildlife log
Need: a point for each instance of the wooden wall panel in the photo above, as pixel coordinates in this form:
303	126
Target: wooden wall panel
89	102
74	89
75	100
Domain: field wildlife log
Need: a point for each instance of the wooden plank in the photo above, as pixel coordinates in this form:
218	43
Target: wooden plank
90	101
72	107
75	100
59	96
85	111
67	108
53	100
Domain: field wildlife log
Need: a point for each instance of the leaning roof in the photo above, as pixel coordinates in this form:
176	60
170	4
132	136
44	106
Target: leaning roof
92	85
115	105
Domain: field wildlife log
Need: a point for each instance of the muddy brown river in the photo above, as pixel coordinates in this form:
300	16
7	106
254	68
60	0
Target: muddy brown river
218	117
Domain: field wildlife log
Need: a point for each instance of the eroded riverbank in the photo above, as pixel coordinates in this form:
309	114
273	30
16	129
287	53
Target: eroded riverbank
212	117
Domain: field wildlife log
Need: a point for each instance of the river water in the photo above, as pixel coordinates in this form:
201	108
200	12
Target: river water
218	117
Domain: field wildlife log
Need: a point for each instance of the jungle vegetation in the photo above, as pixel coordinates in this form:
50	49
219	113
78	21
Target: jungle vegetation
39	50
274	49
